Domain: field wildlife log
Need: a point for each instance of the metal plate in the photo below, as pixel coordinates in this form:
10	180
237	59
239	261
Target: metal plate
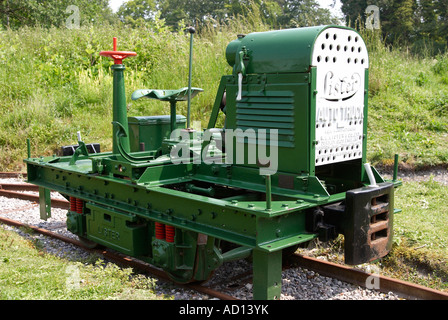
340	57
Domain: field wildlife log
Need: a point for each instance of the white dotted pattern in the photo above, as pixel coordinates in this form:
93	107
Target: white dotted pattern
340	57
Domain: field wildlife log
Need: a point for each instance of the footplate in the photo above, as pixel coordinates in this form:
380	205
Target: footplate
368	223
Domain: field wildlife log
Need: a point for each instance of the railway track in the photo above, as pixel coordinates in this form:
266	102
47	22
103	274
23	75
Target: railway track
403	289
118	258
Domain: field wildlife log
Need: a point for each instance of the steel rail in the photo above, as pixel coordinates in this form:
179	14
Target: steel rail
6	175
14	190
55	203
19	187
404	289
120	259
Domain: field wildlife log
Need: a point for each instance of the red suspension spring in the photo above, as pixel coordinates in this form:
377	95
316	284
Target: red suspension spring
170	232
79	206
73	204
160	231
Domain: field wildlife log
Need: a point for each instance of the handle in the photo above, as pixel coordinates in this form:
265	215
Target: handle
118	56
240	86
241	70
191	30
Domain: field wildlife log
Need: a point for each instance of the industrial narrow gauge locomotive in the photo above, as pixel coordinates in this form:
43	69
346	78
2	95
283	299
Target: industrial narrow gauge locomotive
288	166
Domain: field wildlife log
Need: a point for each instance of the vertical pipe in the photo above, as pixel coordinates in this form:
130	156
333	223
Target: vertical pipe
173	115
395	167
268	192
191	31
119	107
370	175
28	147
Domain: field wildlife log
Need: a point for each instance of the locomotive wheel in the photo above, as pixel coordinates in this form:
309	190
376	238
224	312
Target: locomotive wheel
176	277
181	277
88	243
287	252
186	276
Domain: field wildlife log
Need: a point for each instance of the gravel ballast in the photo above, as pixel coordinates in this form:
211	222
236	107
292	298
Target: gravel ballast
297	283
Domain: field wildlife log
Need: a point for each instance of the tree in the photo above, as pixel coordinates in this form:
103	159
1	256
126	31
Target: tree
173	11
19	13
135	12
398	18
269	10
420	23
192	12
402	21
303	13
277	13
441	9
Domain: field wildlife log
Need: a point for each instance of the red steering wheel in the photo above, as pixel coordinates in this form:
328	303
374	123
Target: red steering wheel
118	56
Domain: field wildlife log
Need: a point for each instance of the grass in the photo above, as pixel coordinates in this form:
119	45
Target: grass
28	273
423	221
419	252
421	235
418	256
50	94
408	103
55	84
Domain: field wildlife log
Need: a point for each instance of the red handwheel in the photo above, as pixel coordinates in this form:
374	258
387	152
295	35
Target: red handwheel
118	56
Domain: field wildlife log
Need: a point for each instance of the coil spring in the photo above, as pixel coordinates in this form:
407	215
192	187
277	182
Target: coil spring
79	206
73	204
160	231
170	232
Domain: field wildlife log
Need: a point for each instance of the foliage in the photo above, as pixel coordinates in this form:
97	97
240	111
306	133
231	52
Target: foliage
43	13
420	238
421	234
137	12
303	14
420	24
275	13
407	106
27	272
58	84
175	14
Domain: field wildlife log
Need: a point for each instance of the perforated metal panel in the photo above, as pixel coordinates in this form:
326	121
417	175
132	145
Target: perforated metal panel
340	57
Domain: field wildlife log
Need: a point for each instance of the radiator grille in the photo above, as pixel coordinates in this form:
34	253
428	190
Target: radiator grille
272	110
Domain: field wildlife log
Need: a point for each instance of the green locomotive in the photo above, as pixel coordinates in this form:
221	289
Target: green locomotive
289	165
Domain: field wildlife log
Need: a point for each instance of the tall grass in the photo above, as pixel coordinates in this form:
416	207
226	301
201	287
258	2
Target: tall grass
55	83
408	103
